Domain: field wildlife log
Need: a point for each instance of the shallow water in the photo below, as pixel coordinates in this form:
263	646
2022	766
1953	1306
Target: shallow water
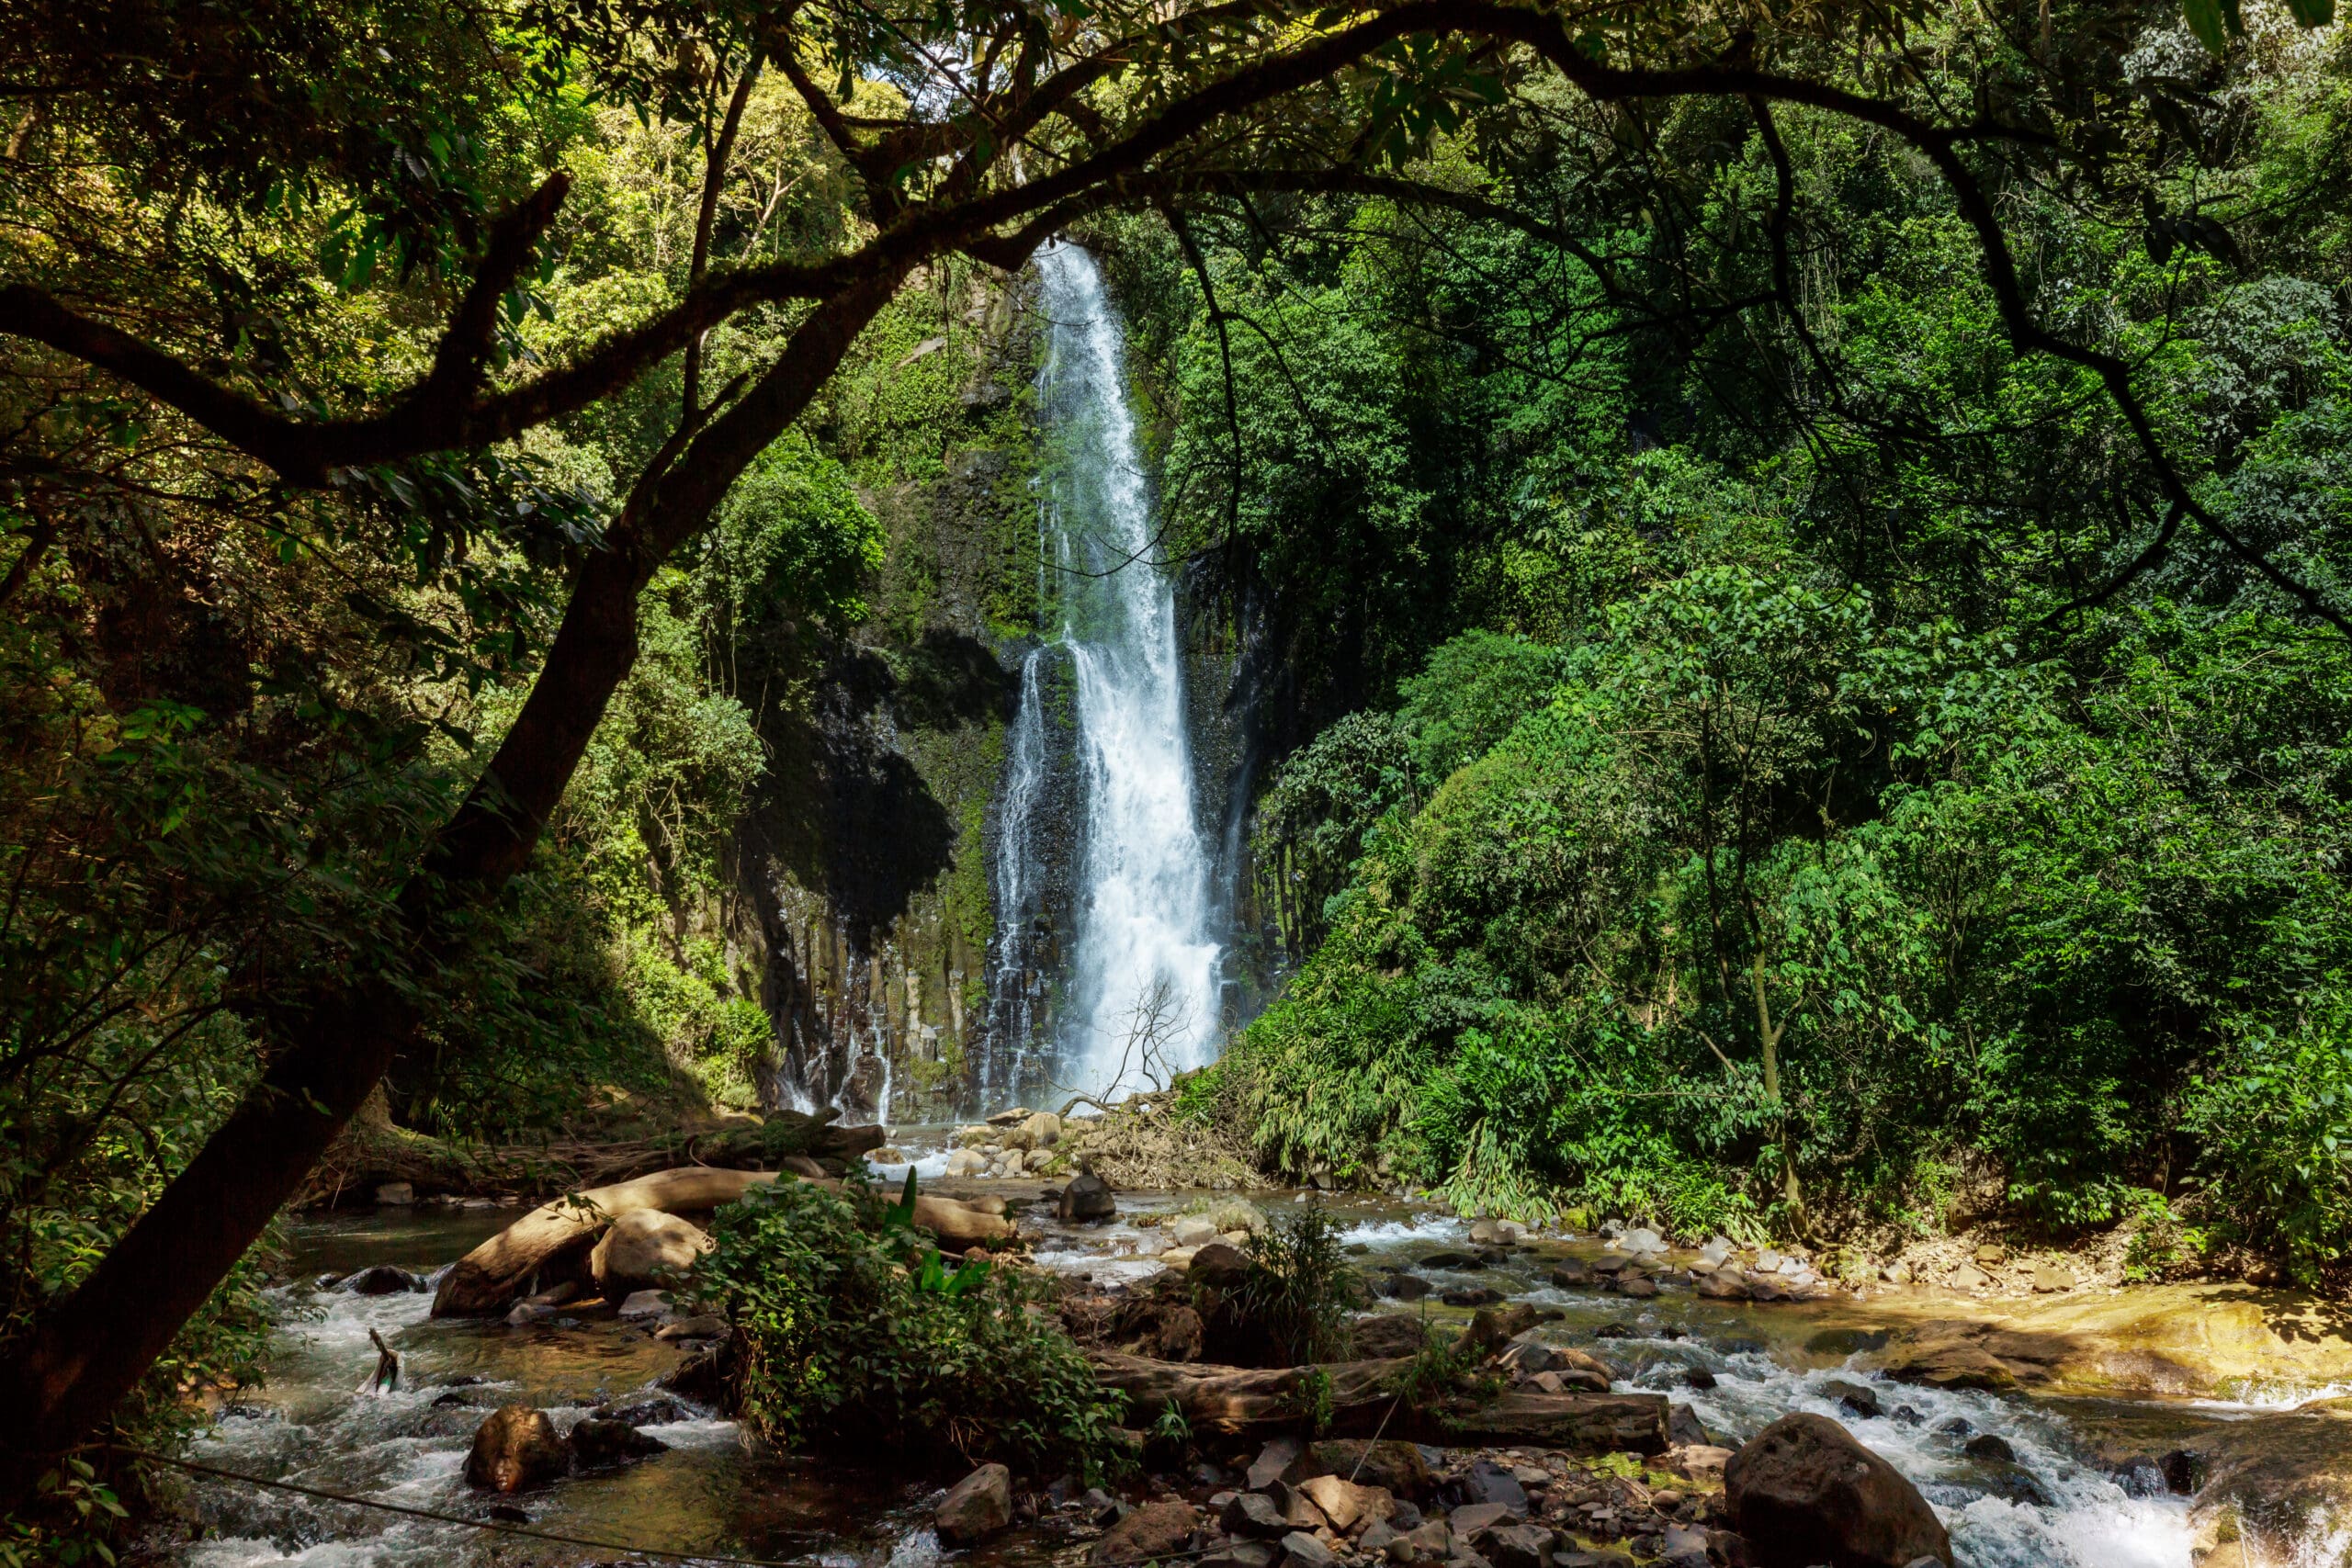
711	1494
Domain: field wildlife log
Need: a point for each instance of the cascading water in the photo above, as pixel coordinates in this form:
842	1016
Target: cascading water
1142	971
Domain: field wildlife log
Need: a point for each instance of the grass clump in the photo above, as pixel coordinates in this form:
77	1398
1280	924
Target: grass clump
851	1330
1299	1290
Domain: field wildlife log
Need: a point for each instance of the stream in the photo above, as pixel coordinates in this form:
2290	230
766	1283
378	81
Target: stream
711	1494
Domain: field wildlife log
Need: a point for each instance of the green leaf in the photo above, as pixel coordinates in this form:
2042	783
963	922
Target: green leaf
2312	13
2204	19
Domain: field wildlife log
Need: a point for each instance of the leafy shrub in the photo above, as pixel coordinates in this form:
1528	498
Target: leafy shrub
2276	1121
1299	1290
852	1332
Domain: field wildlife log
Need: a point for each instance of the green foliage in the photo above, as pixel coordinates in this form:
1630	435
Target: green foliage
852	1334
2274	1116
1298	1287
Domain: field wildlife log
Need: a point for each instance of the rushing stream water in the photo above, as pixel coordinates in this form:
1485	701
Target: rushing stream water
710	1494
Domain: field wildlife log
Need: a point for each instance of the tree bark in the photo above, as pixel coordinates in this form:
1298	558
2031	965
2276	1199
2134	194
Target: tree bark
61	1379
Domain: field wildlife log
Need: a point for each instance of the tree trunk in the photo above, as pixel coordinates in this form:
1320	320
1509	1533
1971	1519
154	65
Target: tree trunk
60	1379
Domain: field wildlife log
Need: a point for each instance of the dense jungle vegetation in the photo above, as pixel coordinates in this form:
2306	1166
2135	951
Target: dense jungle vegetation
1798	556
1785	771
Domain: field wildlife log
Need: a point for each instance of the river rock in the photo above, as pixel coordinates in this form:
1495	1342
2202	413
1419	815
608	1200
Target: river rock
976	1507
1513	1546
1639	1286
600	1445
1273	1463
1344	1503
1398	1469
1191	1230
1985	1445
1572	1274
1685	1430
644	1250
965	1162
2051	1280
1803	1492
1255	1516
1087	1199
646	1304
1725	1284
1968	1277
514	1448
1473	1296
395	1195
1950	1363
1401	1286
1156	1530
383	1280
1044	1130
1301	1550
1387	1336
1856	1401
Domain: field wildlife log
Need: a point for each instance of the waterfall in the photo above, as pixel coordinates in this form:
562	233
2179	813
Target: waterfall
1142	971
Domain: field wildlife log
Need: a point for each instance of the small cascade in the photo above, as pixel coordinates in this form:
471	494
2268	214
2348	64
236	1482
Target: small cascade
1142	971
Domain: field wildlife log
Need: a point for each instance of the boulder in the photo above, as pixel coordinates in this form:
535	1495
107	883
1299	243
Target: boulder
2051	1280
1950	1363
1514	1546
1684	1429
1086	1200
965	1163
1191	1230
1044	1130
1985	1445
1388	1336
1803	1492
1572	1274
1255	1516
655	1412
600	1444
1395	1468
1852	1397
1344	1503
646	1304
1495	1327
644	1250
1273	1463
976	1507
395	1195
516	1447
1725	1284
1220	1265
383	1280
1156	1530
1301	1550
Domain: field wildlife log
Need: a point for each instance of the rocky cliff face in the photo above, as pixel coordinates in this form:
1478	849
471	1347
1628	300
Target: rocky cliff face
861	916
864	917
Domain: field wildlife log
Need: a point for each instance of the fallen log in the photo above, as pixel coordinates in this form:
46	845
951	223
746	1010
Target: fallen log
1248	1401
1572	1422
555	1239
1355	1396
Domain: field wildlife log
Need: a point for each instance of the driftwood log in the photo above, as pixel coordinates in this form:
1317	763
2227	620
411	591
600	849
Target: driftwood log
1248	1401
553	1240
1355	1397
1572	1422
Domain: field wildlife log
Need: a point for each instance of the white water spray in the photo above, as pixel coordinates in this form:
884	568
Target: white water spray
1144	960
